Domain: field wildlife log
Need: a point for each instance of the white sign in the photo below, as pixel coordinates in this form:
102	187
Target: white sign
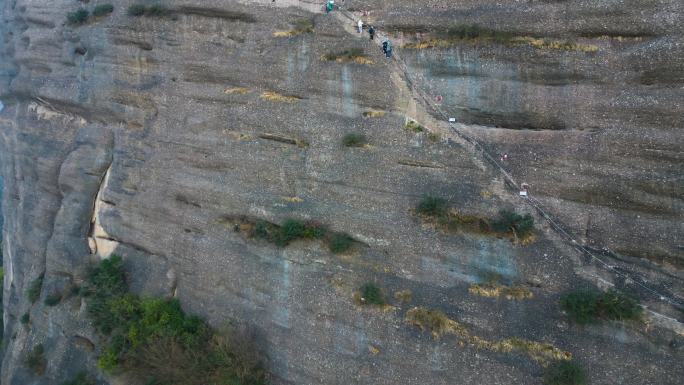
451	120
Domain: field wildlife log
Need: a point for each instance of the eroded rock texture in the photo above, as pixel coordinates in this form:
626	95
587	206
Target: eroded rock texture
144	137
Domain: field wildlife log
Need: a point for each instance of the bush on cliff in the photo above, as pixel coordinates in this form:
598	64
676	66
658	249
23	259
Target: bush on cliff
586	306
33	291
565	373
154	340
78	17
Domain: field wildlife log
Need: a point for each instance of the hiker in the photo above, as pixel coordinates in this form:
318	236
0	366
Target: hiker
387	48
329	6
360	25
371	32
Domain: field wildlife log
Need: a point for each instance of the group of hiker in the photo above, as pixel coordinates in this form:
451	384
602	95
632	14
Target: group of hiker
386	45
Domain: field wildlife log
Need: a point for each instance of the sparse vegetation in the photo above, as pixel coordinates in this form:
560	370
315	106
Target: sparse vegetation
460	34
354	140
78	17
520	225
302	26
80	379
53	299
103	9
371	294
587	306
414	126
153	340
33	291
432	206
565	373
25	318
292	229
434	321
373	114
433	137
150	11
355	55
339	243
495	290
403	296
276	97
35	360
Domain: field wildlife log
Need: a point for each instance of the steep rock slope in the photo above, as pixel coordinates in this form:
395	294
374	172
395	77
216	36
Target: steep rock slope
152	137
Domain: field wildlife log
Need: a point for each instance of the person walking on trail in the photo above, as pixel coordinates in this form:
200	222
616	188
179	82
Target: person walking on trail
371	32
360	25
387	48
329	6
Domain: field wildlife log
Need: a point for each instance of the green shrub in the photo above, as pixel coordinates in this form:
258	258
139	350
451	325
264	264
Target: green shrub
53	299
586	306
78	17
290	230
136	10
152	338
35	360
511	221
25	318
614	305
33	291
354	140
414	126
261	229
372	295
80	379
565	373
339	243
432	206
103	9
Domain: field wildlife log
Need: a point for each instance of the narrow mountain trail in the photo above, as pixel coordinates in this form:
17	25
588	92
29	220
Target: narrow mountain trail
421	101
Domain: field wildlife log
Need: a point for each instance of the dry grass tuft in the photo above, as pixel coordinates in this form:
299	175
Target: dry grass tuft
494	290
439	325
276	97
403	296
373	114
236	90
353	55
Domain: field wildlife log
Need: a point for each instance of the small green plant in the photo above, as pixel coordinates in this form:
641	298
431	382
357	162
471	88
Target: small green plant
432	206
25	319
79	379
33	291
53	299
586	306
103	9
339	243
371	294
510	221
78	17
35	360
136	10
565	373
354	140
414	126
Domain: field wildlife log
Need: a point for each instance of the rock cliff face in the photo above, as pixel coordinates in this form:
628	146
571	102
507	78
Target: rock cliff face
150	137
